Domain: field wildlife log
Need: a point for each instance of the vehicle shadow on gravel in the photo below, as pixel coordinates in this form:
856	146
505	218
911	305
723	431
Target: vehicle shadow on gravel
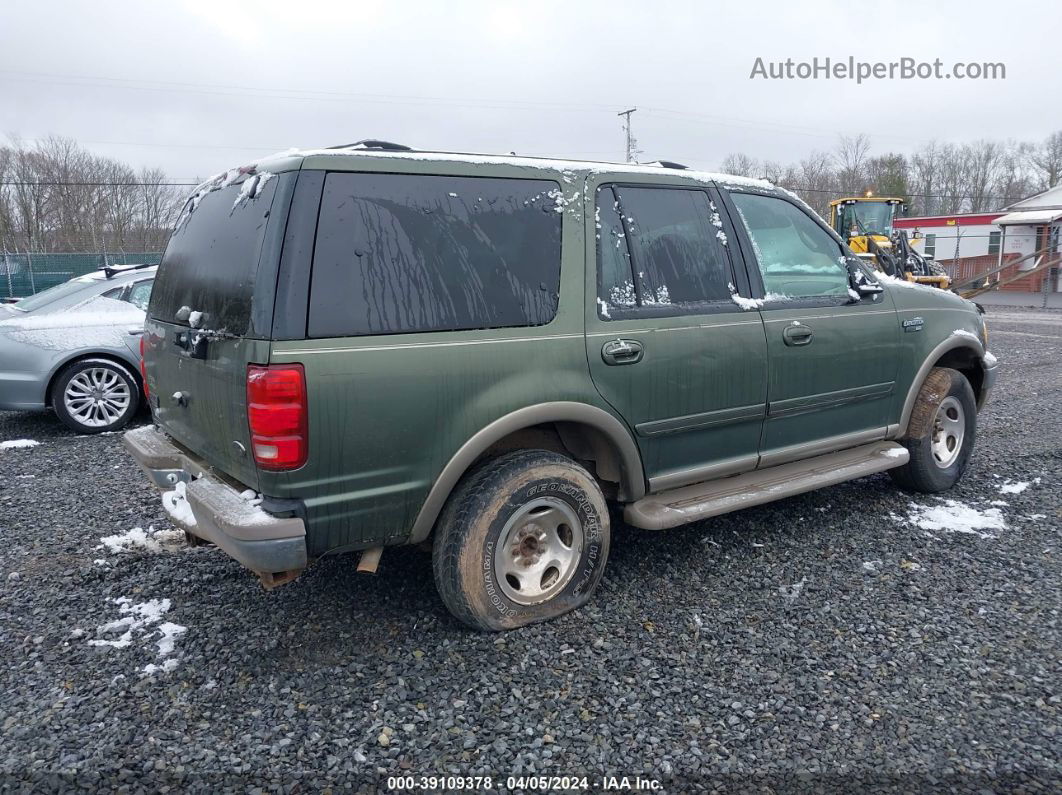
41	425
339	610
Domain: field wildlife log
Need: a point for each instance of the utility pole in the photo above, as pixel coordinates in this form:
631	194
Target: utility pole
627	129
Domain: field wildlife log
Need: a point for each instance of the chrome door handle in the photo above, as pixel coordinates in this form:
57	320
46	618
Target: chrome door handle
797	335
621	351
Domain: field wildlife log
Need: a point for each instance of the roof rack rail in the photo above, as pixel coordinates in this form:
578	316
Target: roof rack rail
374	143
110	271
669	164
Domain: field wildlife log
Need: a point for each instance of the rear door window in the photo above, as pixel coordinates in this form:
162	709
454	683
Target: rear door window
212	258
399	253
659	247
140	294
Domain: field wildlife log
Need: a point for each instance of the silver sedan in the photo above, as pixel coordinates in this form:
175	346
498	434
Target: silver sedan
76	349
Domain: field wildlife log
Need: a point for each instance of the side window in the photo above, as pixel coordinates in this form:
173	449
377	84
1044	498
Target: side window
797	258
402	253
659	247
140	294
615	275
930	248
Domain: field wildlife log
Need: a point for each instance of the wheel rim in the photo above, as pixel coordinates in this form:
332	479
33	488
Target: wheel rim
538	551
949	428
97	397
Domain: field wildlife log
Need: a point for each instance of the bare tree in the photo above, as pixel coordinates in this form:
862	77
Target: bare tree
740	165
851	159
925	168
984	164
889	175
1016	179
815	180
55	196
1047	158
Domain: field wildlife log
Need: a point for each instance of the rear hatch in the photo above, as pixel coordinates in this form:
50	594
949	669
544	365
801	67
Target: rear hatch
210	316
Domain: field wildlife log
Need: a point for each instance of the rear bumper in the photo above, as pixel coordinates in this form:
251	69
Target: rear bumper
274	547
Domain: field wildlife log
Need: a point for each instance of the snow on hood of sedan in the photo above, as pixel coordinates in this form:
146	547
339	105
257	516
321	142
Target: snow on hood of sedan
98	322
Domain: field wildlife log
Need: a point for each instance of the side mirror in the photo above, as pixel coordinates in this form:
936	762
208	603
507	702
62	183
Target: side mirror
869	288
859	281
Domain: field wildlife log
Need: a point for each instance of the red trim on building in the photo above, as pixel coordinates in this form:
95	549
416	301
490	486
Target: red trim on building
978	219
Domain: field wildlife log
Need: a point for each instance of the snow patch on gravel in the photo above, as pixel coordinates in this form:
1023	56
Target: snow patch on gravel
15	444
135	617
150	540
1017	487
952	516
791	592
139	620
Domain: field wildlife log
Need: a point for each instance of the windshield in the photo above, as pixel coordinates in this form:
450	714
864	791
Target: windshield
54	293
867	218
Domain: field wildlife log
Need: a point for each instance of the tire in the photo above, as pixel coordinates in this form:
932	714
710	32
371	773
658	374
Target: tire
95	395
523	538
940	436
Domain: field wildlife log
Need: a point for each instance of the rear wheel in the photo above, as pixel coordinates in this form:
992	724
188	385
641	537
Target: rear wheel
522	539
940	435
95	395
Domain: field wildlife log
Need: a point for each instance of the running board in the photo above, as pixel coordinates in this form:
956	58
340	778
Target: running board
702	500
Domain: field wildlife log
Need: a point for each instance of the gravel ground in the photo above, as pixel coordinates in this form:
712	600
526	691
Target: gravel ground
823	641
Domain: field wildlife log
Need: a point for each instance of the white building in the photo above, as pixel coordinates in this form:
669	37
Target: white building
1031	225
968	244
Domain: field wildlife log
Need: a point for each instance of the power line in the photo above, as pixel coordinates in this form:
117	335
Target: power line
315	95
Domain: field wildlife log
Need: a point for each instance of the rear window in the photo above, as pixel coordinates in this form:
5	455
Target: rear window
63	290
212	258
400	253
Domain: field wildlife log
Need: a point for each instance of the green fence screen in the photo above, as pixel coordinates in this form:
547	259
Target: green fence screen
26	274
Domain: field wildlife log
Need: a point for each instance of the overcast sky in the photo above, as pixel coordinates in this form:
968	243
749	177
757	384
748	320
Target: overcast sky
196	86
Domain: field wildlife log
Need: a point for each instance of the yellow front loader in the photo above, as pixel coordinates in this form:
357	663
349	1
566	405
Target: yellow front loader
865	222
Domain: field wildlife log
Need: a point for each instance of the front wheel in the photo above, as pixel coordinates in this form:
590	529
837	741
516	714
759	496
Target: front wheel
940	435
522	539
95	395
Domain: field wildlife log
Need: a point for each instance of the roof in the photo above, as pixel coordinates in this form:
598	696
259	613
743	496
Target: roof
959	219
1046	216
1052	197
553	164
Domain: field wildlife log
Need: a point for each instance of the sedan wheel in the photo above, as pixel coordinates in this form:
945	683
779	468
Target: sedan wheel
95	396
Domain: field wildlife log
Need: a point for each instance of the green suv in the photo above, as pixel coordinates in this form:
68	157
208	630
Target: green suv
358	347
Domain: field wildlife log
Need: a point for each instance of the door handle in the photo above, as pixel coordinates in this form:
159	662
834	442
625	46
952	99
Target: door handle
620	351
797	335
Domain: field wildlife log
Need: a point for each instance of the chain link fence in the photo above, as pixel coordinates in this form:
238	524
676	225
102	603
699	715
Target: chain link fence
23	274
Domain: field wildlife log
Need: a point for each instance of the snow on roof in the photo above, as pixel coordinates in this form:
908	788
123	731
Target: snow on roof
554	164
1030	217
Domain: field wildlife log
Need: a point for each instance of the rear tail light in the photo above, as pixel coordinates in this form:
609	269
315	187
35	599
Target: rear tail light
143	369
277	416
